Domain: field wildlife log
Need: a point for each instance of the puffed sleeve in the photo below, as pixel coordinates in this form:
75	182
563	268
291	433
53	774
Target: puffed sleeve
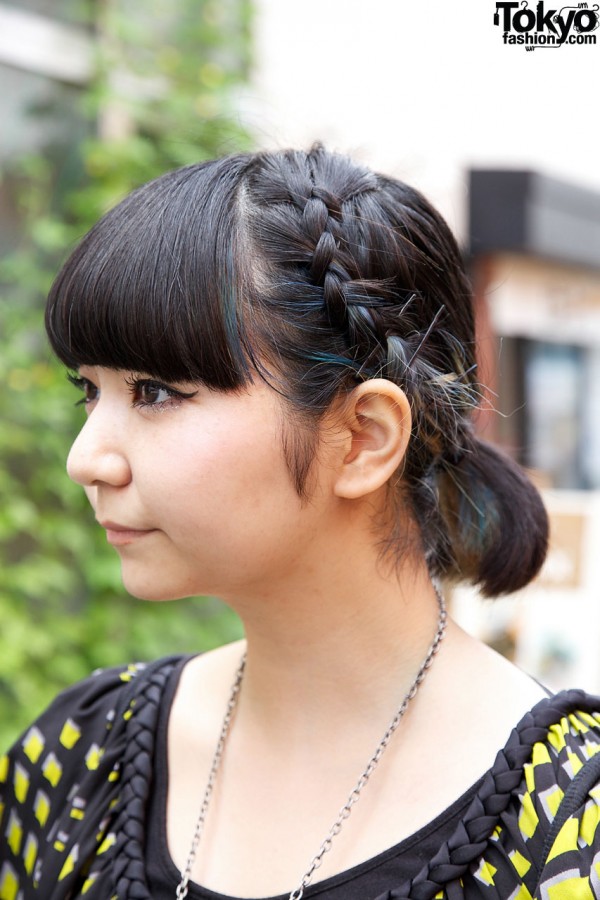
571	862
56	778
558	863
517	840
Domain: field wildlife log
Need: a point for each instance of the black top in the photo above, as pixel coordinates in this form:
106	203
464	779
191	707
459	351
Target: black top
82	807
365	880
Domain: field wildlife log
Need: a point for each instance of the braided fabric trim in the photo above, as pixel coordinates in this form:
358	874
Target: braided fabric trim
128	863
470	839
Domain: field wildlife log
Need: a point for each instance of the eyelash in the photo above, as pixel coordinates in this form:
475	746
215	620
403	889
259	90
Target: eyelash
136	385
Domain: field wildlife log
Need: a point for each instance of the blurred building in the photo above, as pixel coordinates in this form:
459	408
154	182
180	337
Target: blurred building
46	56
534	247
497	139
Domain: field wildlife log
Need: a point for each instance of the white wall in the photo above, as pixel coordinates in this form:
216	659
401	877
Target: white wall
423	90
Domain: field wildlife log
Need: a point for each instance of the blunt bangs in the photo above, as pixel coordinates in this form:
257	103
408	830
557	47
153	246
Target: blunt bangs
157	285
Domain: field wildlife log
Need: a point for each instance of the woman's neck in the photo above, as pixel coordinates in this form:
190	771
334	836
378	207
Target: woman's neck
333	650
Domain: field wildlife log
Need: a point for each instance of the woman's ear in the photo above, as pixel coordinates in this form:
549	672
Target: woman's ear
377	422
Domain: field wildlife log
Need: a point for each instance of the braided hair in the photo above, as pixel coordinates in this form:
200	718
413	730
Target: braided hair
316	274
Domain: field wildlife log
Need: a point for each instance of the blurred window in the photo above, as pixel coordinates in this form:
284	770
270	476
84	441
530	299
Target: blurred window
560	420
36	111
553	382
590	438
45	62
73	11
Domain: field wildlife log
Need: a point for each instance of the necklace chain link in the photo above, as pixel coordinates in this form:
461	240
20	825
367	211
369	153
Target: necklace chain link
297	894
183	886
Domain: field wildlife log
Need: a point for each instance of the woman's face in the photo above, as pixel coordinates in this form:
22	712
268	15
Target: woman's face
190	484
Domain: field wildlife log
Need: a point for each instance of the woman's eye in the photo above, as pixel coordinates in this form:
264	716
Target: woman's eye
147	393
144	392
89	390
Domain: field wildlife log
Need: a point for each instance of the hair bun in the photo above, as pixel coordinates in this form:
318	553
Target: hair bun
495	521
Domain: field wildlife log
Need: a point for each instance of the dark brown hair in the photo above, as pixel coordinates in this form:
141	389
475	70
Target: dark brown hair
316	274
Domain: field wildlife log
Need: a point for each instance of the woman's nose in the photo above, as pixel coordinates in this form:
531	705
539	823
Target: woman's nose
97	455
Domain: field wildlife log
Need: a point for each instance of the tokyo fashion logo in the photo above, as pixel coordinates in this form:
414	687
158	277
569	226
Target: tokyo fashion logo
542	28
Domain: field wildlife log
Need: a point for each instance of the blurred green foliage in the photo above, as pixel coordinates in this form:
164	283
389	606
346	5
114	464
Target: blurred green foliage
164	96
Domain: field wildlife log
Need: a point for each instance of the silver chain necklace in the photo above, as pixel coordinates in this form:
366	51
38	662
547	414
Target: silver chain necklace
297	894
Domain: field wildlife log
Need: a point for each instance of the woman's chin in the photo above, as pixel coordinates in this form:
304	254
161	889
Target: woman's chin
151	590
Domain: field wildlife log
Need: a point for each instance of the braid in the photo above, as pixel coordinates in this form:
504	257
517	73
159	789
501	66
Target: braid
378	322
336	272
369	283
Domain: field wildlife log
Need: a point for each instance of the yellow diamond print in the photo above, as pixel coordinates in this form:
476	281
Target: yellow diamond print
528	820
88	883
576	763
41	807
93	757
61	841
556	734
521	864
540	755
3	768
70	734
551	800
566	840
69	863
30	853
577	724
78	808
577	888
486	872
107	843
9	883
33	744
52	769
21	782
529	772
588	719
589	824
14	833
521	894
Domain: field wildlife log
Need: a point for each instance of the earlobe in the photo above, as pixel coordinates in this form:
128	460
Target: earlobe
378	420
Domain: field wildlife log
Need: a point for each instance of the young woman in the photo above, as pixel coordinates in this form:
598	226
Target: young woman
277	359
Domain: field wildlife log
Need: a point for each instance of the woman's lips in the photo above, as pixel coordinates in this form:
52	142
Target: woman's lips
119	535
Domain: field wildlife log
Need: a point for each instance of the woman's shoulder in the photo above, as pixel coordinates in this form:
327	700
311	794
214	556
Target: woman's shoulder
83	706
534	818
70	754
90	704
547	750
555	812
87	707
